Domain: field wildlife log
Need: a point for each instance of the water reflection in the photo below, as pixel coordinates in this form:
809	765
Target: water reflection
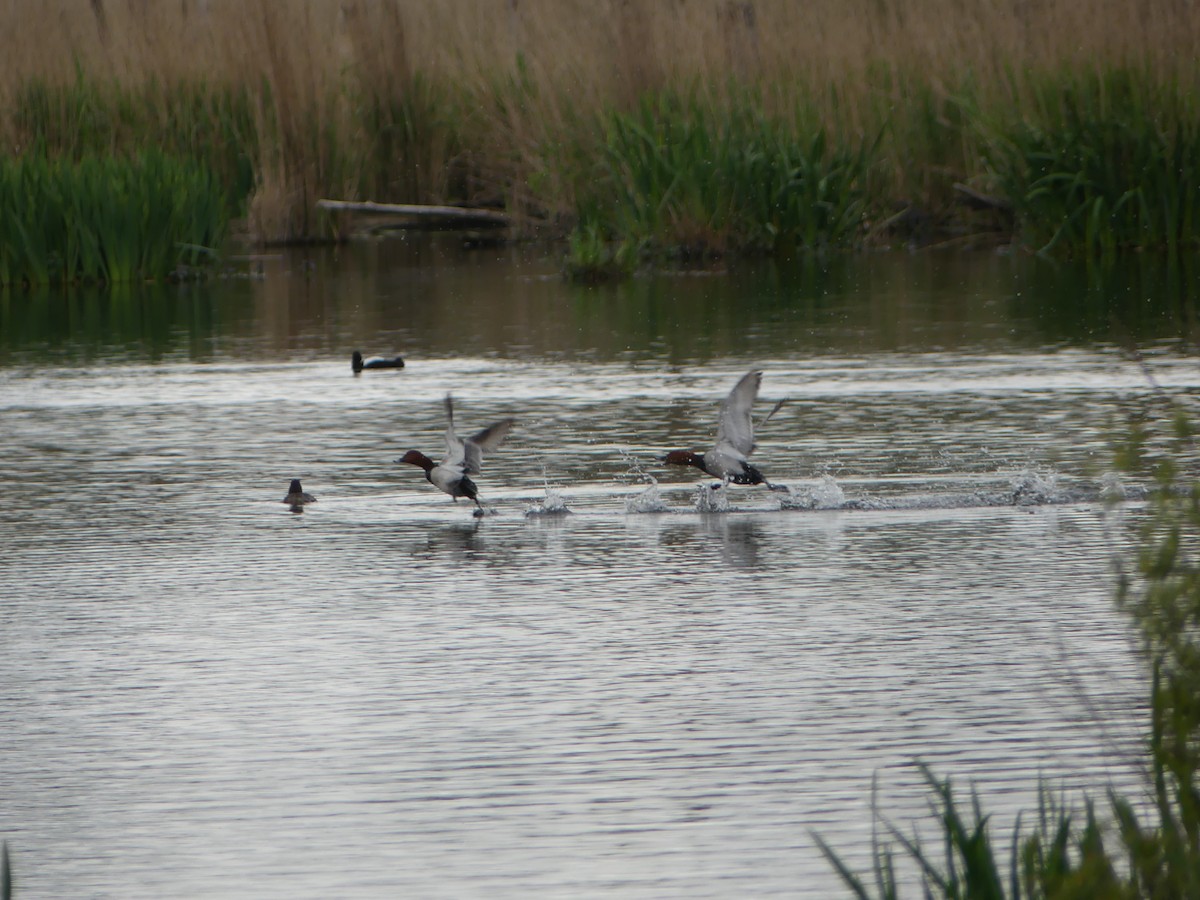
1139	302
459	543
734	540
430	298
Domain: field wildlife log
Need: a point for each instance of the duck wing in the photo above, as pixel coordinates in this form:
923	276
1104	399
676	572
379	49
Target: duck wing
487	439
736	432
455	448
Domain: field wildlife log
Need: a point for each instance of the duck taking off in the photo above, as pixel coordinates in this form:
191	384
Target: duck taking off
729	458
463	458
357	363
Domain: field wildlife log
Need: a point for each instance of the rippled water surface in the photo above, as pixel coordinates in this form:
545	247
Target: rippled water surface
664	692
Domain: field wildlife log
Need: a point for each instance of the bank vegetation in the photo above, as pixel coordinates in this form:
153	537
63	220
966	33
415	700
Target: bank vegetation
636	128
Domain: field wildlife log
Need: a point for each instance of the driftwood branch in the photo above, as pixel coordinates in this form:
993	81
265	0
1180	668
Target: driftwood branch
973	199
456	215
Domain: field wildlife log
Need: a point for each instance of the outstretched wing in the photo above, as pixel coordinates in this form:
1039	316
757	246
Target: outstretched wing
487	439
455	449
735	429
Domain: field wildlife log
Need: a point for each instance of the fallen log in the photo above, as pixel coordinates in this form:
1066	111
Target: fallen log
973	199
429	215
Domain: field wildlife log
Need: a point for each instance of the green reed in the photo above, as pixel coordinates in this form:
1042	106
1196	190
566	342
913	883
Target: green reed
1103	164
695	179
411	144
592	257
192	120
1089	165
1064	856
105	219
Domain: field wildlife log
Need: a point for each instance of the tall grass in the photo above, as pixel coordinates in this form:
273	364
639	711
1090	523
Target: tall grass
1147	850
1109	164
678	174
105	219
483	101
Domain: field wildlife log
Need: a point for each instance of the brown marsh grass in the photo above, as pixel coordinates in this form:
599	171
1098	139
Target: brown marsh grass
483	100
599	48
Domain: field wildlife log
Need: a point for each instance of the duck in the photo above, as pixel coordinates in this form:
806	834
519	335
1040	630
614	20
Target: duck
357	363
463	458
297	496
729	457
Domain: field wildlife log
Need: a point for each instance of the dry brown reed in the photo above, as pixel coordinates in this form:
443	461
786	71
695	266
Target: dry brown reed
600	47
500	84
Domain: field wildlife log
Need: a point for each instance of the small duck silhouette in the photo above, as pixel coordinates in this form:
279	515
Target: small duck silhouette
357	363
297	496
463	458
729	458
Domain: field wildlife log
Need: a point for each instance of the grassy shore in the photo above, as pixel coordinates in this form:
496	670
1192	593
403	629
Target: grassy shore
1141	847
696	126
106	220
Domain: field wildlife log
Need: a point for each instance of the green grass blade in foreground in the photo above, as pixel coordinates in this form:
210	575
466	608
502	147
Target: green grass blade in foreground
852	881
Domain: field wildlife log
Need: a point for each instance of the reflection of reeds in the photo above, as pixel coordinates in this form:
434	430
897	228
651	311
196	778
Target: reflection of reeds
498	101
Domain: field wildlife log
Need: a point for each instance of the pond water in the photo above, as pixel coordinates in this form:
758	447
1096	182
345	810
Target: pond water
665	692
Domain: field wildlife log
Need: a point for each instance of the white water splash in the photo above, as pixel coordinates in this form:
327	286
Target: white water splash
825	494
553	504
647	501
828	494
1112	488
636	469
712	499
1034	489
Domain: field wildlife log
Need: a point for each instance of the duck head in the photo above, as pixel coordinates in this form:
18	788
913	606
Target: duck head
684	458
417	458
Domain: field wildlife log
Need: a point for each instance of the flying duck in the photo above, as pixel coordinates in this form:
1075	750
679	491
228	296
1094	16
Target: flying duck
729	458
462	459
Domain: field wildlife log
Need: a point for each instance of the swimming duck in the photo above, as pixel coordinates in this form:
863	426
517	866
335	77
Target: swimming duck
296	495
357	363
462	458
729	458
